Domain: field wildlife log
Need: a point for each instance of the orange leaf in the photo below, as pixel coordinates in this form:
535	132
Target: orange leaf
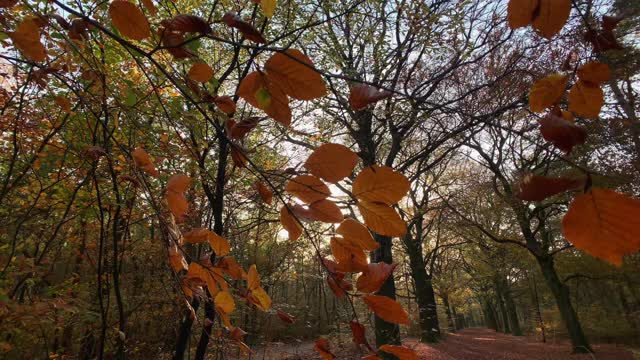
219	244
357	234
401	352
561	133
604	223
371	357
196	236
594	73
547	91
520	12
148	4
260	299
295	75
382	219
538	188
248	31
325	211
261	93
205	276
129	20
64	103
240	129
200	72
322	347
230	266
265	194
338	285
361	95
307	188
349	257
26	38
552	15
371	280
142	160
331	162
585	99
289	223
387	309
176	259
178	183
380	184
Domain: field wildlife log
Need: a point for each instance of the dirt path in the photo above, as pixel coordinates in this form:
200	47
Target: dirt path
469	344
485	344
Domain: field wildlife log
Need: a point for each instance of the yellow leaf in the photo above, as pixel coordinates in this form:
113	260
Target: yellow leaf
268	7
129	20
200	72
253	278
295	75
176	259
331	162
585	100
261	299
382	219
380	184
552	15
546	92
604	223
520	12
224	302
387	309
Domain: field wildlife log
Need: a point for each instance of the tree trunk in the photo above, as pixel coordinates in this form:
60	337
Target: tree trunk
563	301
503	312
386	332
425	298
447	309
185	331
489	316
512	313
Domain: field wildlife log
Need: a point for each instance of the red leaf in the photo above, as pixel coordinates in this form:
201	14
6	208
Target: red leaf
561	133
322	347
187	23
238	130
235	21
362	95
286	317
359	338
538	188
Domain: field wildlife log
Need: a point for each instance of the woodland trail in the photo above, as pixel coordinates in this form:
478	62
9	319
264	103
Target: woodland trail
468	344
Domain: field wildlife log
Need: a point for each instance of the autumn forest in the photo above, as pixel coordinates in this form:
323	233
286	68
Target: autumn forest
320	179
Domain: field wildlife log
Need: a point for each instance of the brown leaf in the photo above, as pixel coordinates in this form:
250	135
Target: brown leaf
285	317
359	334
604	223
248	31
129	20
594	73
538	188
561	133
265	194
520	13
362	95
225	104
331	162
387	309
26	38
240	129
172	41
142	160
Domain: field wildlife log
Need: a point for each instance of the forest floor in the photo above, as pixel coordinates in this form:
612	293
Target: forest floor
468	344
